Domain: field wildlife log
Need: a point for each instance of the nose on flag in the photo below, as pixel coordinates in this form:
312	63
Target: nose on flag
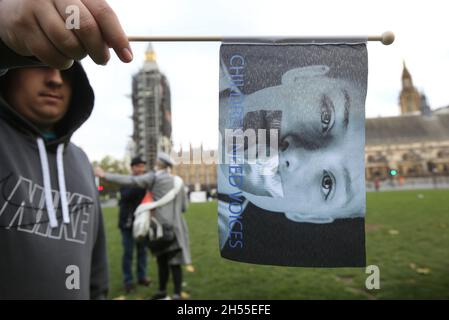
291	175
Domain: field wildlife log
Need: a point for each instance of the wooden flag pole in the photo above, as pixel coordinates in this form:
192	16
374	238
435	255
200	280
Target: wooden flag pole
386	38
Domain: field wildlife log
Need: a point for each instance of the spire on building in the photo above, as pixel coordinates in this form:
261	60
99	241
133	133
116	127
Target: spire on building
405	73
407	81
150	63
410	99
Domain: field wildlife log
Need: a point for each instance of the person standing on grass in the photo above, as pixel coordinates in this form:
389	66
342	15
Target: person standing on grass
377	183
177	253
130	198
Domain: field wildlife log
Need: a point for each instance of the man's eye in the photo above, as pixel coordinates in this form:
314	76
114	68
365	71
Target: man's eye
327	184
327	114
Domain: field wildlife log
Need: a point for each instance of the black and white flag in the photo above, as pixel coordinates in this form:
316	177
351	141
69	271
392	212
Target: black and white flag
291	175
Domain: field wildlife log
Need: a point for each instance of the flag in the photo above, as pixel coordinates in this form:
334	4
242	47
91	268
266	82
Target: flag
291	176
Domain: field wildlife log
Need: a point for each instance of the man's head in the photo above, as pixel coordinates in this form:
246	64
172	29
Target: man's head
163	161
137	166
41	95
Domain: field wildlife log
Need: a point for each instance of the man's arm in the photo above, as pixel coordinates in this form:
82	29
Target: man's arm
144	181
37	28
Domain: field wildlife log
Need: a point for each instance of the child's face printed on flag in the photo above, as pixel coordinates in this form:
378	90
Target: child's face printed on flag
315	111
319	165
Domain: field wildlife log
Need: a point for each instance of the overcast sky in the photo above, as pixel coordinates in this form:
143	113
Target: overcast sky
421	32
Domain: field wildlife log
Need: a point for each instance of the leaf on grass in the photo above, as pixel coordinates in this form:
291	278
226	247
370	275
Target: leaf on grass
190	268
393	232
412	266
185	295
347	279
372	227
423	270
120	298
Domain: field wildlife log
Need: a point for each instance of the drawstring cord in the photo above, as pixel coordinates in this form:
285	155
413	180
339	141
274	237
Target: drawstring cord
62	186
47	183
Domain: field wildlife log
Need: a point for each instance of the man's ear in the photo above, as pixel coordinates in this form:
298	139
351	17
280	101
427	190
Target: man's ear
296	75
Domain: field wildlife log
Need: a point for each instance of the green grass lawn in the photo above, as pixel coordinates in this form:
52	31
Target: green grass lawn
406	236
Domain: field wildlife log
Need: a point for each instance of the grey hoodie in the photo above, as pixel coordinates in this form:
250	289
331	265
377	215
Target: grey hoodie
48	241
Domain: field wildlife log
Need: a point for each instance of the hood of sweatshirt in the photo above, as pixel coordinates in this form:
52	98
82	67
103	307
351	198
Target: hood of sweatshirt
80	108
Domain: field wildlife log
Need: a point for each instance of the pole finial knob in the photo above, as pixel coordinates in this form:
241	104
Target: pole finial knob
387	38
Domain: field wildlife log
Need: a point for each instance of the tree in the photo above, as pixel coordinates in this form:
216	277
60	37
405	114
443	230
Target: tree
110	164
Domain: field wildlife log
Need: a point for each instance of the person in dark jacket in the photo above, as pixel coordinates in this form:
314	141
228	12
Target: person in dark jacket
130	198
52	238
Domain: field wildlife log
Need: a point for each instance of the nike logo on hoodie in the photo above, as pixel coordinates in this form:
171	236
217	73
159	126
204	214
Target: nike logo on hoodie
22	207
